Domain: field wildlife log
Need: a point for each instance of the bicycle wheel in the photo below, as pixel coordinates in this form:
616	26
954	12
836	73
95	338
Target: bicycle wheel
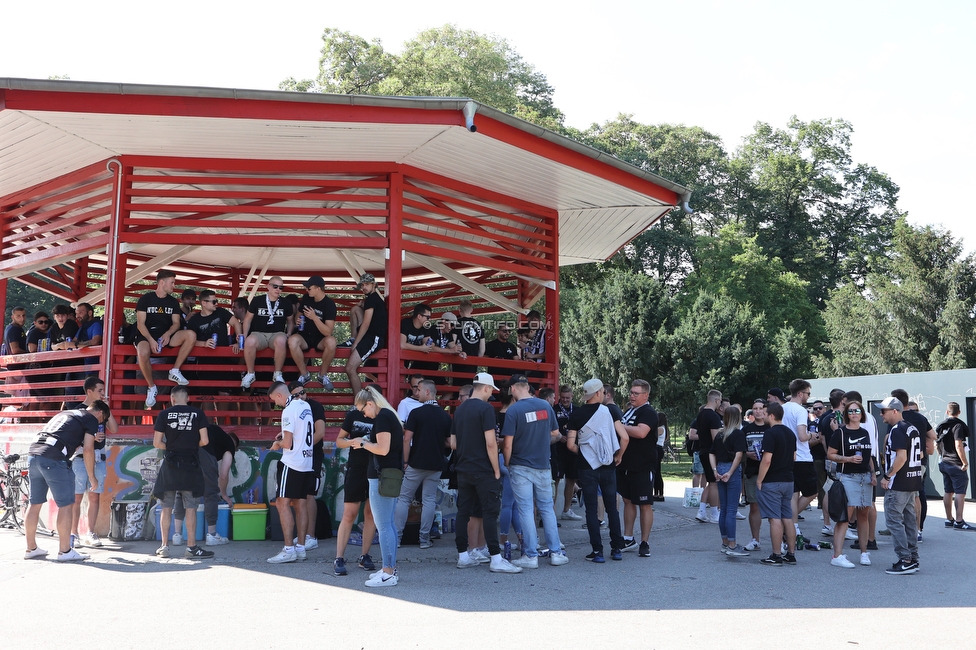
23	502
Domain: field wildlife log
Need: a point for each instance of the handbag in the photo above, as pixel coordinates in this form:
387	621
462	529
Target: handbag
391	478
837	495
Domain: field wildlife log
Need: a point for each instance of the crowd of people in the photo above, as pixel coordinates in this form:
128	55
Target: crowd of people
288	325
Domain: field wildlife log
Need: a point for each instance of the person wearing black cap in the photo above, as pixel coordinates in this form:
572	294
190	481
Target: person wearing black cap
902	480
371	331
776	396
315	323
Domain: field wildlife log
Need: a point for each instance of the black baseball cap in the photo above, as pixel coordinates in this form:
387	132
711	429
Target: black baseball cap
517	378
314	281
777	392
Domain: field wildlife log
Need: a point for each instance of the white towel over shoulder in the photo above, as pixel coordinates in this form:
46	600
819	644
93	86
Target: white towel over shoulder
597	438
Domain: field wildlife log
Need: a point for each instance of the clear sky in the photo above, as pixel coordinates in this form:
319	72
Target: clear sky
902	72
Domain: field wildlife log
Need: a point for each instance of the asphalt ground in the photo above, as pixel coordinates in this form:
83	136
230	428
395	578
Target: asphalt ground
684	595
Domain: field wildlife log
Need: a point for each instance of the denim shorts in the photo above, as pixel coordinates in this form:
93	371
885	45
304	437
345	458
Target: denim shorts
696	466
776	500
54	475
81	474
955	480
860	492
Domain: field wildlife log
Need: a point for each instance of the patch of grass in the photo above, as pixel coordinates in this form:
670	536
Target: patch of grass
680	471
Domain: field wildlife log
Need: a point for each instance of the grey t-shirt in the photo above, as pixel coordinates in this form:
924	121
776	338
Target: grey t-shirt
530	423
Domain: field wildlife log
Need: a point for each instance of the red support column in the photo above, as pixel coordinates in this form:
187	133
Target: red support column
115	282
393	277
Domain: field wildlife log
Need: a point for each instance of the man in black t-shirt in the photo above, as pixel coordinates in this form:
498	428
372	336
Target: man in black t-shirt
927	434
479	476
599	438
425	437
754	432
416	335
635	474
471	335
216	458
181	431
371	333
706	426
501	348
50	469
774	485
902	480
159	324
210	326
316	323
14	338
268	324
952	436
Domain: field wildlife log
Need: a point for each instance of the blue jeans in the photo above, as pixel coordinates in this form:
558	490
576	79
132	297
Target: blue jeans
728	498
509	516
384	509
593	482
534	486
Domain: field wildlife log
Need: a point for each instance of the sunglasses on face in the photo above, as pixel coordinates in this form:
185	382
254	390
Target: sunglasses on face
853	411
275	286
818	408
43	322
300	393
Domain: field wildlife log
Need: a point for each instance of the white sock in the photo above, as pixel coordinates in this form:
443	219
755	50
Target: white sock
299	547
463	556
701	508
496	559
289	549
797	527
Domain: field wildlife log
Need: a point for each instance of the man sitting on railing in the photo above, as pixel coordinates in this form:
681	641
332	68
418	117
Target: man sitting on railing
267	324
501	348
316	322
159	324
14	338
89	327
209	325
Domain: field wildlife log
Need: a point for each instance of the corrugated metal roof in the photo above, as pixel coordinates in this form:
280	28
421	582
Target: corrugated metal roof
597	215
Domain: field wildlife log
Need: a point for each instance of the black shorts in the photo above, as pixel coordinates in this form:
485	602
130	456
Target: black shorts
707	470
567	462
312	337
368	346
637	486
355	487
316	483
805	478
292	484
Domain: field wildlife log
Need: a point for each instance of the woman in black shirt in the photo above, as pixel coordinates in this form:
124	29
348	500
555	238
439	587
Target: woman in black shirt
728	449
850	448
386	445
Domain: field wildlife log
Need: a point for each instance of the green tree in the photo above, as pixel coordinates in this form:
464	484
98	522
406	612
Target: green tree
828	219
919	315
607	328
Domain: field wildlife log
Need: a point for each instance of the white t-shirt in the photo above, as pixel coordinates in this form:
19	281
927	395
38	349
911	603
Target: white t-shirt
297	418
406	405
872	428
795	416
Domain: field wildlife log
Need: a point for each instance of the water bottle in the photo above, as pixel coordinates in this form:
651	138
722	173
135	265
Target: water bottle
160	342
507	553
214	339
301	322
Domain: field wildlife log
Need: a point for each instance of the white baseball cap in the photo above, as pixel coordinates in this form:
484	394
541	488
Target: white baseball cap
485	379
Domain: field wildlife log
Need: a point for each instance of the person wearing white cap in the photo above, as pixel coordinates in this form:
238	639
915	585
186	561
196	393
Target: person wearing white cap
479	475
597	436
902	480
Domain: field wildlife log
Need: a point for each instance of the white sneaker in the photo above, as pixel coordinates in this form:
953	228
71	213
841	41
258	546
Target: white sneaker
151	396
72	556
177	376
570	515
783	548
526	562
739	516
842	561
311	543
753	545
277	376
713	519
93	540
503	566
383	580
827	531
468	563
480	555
177	540
558	559
37	553
865	559
247	380
283	557
300	554
216	540
850	534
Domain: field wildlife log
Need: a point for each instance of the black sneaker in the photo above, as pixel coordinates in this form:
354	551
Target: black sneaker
616	554
872	545
339	566
629	544
902	567
773	560
198	553
645	550
596	556
962	525
366	562
789	558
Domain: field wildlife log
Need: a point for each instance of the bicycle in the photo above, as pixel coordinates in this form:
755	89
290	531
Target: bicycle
14	493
